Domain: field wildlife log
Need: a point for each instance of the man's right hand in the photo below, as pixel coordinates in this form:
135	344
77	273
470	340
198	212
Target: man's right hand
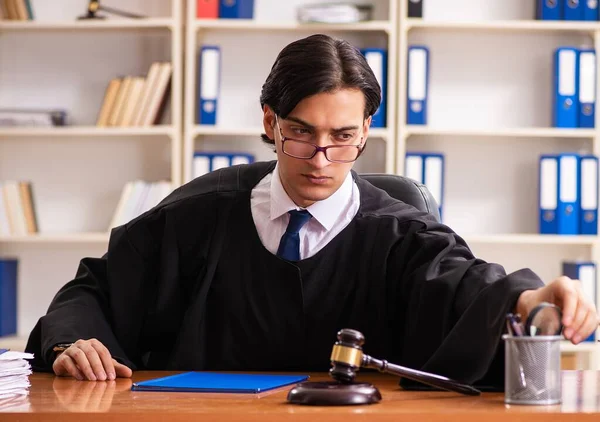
89	360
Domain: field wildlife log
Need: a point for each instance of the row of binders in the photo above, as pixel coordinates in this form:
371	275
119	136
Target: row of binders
205	162
428	169
137	197
568	197
568	10
16	10
136	100
225	9
244	9
574	87
209	84
17	210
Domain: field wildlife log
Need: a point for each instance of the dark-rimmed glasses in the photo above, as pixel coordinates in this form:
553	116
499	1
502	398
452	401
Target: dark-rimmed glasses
305	150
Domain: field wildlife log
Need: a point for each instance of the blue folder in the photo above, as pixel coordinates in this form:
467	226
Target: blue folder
377	60
8	296
213	382
550	9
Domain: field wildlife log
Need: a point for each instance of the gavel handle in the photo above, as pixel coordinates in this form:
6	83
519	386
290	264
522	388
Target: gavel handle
419	376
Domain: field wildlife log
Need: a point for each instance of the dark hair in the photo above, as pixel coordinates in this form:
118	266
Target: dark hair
316	64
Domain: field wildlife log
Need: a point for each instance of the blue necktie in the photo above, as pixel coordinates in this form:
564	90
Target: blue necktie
289	246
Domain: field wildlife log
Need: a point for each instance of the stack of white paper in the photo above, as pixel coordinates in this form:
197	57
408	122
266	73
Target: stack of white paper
14	374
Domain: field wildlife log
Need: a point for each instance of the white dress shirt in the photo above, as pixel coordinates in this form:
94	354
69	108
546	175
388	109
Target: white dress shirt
270	204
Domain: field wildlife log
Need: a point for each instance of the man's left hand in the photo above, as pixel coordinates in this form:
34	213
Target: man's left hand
579	315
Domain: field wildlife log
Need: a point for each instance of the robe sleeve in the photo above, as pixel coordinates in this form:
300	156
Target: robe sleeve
454	305
105	300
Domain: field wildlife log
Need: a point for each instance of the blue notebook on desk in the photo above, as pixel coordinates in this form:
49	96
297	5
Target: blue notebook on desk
211	382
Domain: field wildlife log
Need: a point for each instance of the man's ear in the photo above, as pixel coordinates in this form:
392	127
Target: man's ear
366	126
269	121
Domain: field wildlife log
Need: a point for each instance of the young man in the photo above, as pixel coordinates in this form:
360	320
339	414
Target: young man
256	268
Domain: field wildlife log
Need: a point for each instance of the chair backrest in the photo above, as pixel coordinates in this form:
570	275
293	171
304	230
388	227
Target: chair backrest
406	190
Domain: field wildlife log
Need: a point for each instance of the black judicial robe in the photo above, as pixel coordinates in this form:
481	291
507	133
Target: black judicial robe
189	286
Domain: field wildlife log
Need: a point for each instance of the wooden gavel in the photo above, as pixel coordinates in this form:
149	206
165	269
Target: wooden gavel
347	358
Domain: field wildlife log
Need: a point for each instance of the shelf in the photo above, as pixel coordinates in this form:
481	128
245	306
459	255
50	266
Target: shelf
86	131
200	130
500	25
149	23
506	133
16	343
249	24
587	347
531	239
100	238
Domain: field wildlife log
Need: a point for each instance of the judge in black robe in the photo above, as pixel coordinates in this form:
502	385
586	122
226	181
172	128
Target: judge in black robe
189	286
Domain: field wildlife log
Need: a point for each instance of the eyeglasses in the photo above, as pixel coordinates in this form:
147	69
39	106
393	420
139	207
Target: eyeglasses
305	150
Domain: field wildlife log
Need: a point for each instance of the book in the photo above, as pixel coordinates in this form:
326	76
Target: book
153	72
132	101
159	96
109	102
136	198
214	382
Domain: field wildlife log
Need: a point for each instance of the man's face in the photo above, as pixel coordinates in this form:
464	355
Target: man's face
332	118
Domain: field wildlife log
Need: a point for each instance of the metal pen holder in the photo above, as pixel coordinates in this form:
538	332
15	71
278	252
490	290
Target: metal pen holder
532	370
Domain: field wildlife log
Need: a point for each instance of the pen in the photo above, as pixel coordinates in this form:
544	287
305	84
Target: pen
515	324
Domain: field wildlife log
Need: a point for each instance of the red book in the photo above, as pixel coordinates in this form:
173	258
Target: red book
207	9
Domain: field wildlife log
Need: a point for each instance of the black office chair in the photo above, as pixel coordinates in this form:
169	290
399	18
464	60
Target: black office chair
406	190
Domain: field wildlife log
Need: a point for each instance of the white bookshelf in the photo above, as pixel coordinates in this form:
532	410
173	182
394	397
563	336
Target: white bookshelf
274	25
414	130
531	239
109	24
504	25
99	238
16	343
90	131
489	112
78	171
253	25
199	130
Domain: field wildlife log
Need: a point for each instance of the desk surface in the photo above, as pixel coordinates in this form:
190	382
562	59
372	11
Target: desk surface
65	399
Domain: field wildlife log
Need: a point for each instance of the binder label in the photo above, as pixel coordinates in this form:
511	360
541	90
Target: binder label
589	185
548	197
414	168
587	75
210	74
433	170
418	74
568	179
567	66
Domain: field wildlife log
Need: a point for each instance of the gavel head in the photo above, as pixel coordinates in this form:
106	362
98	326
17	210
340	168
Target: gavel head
347	355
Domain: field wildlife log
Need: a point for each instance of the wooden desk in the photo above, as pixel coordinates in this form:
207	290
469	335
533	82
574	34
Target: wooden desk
65	399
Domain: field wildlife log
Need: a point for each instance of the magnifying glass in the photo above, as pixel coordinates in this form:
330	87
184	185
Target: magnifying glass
544	320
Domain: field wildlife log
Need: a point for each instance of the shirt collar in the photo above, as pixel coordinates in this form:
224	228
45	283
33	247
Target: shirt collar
326	212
